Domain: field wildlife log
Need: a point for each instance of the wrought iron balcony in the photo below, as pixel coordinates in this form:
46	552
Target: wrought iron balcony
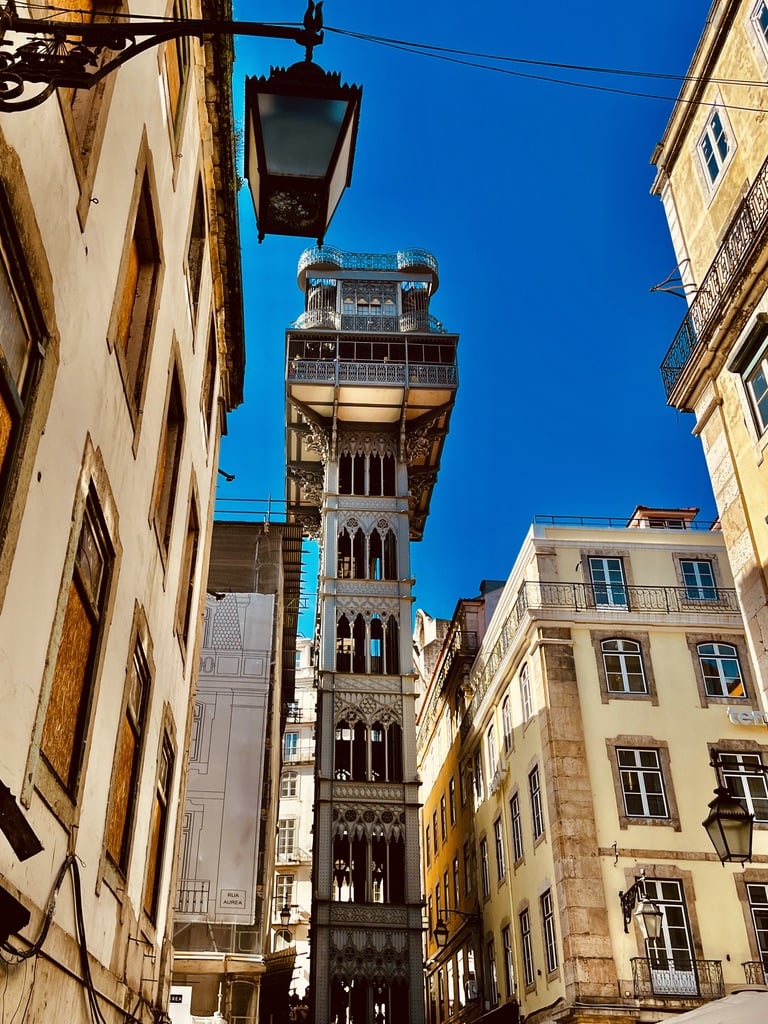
192	896
331	320
395	374
677	978
621	597
327	257
746	237
755	972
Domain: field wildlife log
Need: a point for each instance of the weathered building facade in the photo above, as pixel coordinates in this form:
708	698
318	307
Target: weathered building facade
371	380
122	349
579	745
712	177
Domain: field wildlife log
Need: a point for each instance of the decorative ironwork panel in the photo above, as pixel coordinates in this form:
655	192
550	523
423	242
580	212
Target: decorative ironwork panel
192	896
327	255
678	978
755	973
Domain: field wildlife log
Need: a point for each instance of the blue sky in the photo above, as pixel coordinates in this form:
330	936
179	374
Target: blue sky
534	198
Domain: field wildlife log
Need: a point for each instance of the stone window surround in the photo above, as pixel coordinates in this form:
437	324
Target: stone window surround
664	873
741	879
606	695
648	743
624	556
696	556
710	188
694	639
745	354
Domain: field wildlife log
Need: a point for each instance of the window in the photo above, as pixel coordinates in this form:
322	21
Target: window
291	747
485	872
506	719
168	464
756	383
548	924
744	778
135	301
509	968
125	784
526	697
289	784
526	943
456	889
446	890
21	340
517	827
158	829
452	800
493	985
608	584
672	955
537	811
74	676
427	847
443	819
757	894
467	858
196	249
177	61
721	670
434	832
714	146
283	892
760	22
491	746
478	780
188	574
286	838
623	663
498	840
698	580
208	394
642	783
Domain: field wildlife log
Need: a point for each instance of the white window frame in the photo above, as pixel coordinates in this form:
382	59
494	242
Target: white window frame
498	842
548	927
526	944
526	695
642	777
286	838
746	781
717	655
757	896
537	809
624	653
609	581
290	747
758	403
506	721
759	11
517	827
485	868
698	579
289	784
717	128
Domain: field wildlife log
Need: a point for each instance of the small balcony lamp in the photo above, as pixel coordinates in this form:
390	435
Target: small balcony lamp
647	915
285	915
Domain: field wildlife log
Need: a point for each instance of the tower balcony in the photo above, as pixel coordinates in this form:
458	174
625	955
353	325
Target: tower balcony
321	260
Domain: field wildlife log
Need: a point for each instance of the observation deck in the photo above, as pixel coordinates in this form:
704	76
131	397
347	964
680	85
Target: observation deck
367	356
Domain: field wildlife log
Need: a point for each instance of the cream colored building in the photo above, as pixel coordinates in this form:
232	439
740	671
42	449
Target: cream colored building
121	336
614	667
712	177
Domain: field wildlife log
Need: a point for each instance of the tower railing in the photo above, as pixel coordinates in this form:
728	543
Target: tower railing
320	371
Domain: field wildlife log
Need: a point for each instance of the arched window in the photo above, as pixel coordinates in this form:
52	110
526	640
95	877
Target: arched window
368	869
376	660
721	670
386	753
392	647
283	939
363	474
623	662
345	473
350	562
289	784
382	555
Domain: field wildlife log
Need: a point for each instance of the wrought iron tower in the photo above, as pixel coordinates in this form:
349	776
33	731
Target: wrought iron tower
371	382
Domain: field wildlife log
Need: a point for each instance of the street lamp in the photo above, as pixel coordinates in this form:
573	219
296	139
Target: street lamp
647	915
301	123
440	931
729	824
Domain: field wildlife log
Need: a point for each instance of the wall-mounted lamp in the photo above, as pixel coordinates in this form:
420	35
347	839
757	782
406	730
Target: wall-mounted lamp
729	824
647	915
440	932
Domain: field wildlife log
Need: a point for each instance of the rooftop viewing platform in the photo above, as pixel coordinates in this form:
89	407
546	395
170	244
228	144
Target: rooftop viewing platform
325	259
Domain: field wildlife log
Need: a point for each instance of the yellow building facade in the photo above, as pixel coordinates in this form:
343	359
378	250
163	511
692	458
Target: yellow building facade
614	668
712	177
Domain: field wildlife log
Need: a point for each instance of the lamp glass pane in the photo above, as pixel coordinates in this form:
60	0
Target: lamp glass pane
300	133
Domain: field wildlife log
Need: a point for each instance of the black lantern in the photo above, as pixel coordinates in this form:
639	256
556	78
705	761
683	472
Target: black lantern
440	933
649	917
301	126
285	915
729	826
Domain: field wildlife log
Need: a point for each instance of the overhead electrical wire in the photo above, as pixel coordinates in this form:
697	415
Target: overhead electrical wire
473	59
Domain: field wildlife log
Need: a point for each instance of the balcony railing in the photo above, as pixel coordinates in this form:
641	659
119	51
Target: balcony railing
318	371
755	973
300	752
192	896
331	320
328	256
746	235
677	978
586	597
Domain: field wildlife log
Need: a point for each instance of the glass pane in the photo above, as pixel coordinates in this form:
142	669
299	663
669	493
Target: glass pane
300	133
